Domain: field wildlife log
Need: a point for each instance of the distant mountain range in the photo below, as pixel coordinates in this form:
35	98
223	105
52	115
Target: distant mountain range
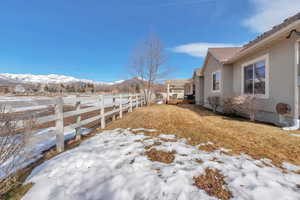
6	78
34	82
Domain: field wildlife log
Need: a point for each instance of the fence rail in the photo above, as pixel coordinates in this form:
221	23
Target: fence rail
117	103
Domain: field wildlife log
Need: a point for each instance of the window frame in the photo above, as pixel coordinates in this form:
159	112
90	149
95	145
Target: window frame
264	58
212	80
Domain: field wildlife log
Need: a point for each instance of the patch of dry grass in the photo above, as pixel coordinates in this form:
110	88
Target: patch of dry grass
152	145
213	183
200	125
160	156
208	148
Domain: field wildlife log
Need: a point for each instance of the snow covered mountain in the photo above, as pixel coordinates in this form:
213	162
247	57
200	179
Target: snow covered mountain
50	79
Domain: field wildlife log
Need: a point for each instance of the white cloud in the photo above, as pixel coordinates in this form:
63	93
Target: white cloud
199	49
271	12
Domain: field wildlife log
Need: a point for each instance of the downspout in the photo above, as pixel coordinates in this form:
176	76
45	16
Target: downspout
296	122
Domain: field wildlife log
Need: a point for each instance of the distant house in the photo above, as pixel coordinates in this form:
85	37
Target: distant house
19	89
198	81
267	68
189	88
176	89
5	89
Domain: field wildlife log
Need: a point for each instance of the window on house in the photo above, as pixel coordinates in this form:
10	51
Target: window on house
216	81
255	78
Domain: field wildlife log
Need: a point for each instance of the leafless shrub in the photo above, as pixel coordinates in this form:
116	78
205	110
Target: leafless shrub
228	106
247	104
12	148
214	102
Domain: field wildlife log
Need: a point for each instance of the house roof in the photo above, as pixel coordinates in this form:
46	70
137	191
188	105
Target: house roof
225	53
275	29
229	54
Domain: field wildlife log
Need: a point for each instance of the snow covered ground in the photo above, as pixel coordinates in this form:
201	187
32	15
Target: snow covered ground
112	166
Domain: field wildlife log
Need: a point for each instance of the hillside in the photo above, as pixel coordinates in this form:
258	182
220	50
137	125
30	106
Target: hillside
56	83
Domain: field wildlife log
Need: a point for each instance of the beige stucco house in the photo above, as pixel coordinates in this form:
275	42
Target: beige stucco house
267	67
176	88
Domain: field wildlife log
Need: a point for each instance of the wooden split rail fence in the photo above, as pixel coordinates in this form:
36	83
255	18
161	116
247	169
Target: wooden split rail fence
117	104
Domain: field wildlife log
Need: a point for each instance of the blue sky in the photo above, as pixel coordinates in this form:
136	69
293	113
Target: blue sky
93	39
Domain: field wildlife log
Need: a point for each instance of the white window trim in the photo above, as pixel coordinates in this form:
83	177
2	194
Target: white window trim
212	81
267	70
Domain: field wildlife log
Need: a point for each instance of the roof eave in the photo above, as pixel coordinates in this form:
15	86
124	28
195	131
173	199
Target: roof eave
263	42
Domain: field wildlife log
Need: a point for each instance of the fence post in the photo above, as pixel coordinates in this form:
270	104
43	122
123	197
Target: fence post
142	100
121	107
102	112
130	103
136	101
59	125
114	108
78	119
139	100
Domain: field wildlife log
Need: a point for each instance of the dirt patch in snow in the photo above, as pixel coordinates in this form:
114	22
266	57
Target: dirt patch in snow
160	156
213	183
216	160
199	161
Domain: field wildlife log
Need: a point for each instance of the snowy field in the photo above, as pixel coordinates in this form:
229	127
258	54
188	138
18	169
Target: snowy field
113	166
3	99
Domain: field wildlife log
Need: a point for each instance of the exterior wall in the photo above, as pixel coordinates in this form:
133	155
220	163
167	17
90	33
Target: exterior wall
281	77
226	80
212	66
227	76
199	90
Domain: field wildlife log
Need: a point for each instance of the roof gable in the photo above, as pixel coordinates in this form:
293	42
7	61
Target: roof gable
223	54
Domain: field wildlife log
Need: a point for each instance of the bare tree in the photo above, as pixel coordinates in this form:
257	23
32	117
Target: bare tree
147	64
